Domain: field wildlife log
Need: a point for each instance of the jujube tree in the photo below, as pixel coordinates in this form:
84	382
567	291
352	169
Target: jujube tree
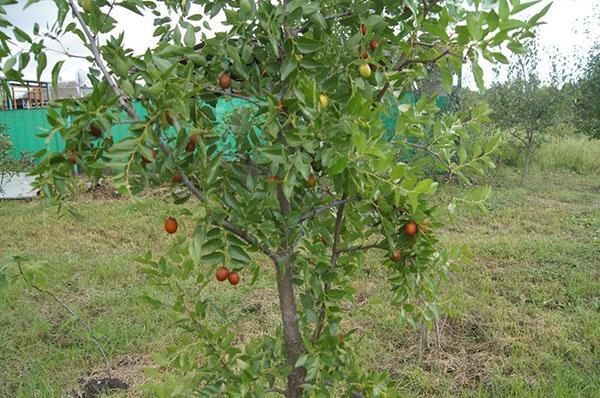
310	185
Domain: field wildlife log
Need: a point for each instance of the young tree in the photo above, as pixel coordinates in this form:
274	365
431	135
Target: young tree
313	190
587	89
525	107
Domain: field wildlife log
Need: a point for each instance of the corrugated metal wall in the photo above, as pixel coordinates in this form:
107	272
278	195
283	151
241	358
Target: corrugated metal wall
23	125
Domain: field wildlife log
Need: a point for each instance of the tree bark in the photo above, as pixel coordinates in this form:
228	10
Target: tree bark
291	332
292	338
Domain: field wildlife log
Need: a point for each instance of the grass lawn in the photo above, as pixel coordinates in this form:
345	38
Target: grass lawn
522	316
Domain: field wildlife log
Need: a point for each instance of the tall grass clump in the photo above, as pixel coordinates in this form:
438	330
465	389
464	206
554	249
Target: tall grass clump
577	154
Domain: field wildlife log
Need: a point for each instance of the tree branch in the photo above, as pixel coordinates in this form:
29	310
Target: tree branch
351	249
234	94
429	150
318	210
306	25
339	219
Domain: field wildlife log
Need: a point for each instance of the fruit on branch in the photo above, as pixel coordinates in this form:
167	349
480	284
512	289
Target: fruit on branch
177	178
191	145
222	274
373	67
273	179
324	100
169	118
145	160
171	225
396	256
234	278
373	44
95	131
363	29
410	228
365	71
72	159
225	81
311	181
299	57
364	53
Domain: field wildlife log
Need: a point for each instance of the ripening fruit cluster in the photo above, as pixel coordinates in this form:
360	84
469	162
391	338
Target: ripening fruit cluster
222	273
364	69
410	229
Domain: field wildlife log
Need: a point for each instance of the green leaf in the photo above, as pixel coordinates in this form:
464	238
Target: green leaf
474	27
56	72
289	65
190	37
41	61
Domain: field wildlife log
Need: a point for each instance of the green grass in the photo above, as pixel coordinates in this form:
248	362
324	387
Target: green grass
522	316
577	154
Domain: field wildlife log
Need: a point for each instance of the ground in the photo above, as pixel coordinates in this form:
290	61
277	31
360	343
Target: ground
521	313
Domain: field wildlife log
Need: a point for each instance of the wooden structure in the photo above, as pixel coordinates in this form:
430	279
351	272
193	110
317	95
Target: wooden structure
27	94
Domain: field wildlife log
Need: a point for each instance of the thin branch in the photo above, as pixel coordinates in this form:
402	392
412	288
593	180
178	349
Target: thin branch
339	219
234	94
73	314
306	25
278	390
318	210
351	249
429	150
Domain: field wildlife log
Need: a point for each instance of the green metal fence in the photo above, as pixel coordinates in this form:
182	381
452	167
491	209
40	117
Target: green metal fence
24	125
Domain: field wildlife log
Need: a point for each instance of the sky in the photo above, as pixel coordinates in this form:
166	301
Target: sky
563	30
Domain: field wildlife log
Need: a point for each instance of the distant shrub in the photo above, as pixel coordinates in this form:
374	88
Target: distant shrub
576	154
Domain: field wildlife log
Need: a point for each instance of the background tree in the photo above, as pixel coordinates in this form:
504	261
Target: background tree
587	97
312	190
524	106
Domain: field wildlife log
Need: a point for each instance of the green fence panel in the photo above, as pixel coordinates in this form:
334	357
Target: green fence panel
24	125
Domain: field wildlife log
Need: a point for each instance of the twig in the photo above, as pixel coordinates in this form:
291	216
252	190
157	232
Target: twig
66	307
318	210
233	94
361	247
306	25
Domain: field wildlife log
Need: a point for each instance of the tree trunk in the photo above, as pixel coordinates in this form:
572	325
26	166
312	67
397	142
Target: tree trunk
291	333
284	269
525	174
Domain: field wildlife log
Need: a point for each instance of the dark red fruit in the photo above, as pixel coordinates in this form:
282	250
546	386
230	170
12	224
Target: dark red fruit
177	178
364	54
225	81
396	256
191	145
169	118
95	131
145	160
171	225
222	274
410	228
72	159
373	44
363	29
234	278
